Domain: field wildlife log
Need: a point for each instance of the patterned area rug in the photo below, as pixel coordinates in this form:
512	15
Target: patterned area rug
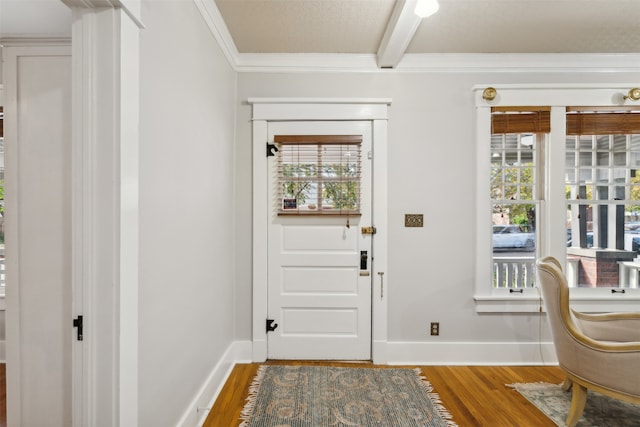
318	396
600	411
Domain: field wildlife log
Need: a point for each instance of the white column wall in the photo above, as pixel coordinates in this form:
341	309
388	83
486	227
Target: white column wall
187	93
105	213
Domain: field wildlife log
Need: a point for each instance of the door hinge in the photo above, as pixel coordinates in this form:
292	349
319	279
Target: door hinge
271	150
369	230
271	325
78	323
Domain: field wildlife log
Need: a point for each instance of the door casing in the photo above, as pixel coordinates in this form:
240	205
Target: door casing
288	109
330	297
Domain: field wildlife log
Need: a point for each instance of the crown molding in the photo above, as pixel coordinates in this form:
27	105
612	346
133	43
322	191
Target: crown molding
521	62
92	4
219	30
130	7
306	62
34	41
442	63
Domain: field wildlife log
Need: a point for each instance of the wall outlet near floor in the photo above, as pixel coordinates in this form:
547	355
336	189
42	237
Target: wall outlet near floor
435	328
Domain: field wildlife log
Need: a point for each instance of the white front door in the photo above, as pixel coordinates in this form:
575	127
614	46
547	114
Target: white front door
319	265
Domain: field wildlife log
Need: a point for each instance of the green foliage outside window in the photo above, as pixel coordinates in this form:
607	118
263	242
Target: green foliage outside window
296	186
341	194
514	183
339	184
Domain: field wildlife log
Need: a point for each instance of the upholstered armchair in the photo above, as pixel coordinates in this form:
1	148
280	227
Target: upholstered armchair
600	352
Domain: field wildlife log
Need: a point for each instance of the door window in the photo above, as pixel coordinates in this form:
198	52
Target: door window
319	175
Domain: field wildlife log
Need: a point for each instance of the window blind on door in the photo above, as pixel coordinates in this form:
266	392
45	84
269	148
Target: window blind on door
319	174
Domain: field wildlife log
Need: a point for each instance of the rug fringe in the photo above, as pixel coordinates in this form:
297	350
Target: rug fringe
246	412
435	399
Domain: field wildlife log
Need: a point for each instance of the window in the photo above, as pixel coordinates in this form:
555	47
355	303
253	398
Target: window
319	175
557	181
515	183
603	197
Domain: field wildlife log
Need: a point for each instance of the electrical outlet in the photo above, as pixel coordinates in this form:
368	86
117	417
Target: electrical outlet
435	328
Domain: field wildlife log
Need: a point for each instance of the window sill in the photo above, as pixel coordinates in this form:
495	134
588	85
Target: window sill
517	303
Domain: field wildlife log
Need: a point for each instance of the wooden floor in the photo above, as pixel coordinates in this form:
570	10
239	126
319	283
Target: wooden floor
474	395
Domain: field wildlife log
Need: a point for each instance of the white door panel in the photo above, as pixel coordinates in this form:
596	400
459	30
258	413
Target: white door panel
38	235
314	280
328	238
317	292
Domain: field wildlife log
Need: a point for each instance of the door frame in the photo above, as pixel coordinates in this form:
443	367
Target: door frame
266	110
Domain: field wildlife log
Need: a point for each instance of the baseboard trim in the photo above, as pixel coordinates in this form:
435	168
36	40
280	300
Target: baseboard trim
471	353
196	413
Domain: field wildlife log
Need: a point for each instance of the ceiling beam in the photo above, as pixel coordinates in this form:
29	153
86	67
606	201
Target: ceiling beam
401	28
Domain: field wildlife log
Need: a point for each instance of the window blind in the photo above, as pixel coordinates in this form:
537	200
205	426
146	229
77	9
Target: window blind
603	121
319	174
520	120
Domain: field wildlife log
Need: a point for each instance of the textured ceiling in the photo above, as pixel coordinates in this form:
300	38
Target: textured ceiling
460	26
531	26
306	26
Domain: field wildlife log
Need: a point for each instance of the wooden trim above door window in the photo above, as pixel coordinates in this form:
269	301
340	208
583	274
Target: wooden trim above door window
318	139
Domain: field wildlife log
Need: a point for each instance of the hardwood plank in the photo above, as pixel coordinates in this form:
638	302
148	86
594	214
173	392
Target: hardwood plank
474	395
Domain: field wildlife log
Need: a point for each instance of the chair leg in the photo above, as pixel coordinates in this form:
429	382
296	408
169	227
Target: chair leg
566	385
578	400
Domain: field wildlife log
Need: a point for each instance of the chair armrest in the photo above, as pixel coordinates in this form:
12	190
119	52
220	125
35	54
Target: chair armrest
616	327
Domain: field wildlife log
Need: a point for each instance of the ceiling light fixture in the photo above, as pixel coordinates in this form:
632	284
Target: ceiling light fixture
425	8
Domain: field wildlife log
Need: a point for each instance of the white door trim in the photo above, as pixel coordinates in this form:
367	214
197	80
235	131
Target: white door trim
292	109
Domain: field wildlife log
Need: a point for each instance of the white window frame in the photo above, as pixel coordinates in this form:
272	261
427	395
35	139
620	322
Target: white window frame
552	211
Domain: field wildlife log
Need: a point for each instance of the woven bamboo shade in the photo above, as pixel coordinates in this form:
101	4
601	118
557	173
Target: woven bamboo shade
520	120
596	121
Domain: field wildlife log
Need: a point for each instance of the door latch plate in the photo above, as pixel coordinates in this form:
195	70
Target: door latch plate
369	230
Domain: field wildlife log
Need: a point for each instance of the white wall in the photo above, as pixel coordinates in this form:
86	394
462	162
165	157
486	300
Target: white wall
186	217
431	171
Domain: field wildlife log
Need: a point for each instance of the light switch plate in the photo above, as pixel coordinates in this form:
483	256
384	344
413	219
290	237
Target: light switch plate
413	220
